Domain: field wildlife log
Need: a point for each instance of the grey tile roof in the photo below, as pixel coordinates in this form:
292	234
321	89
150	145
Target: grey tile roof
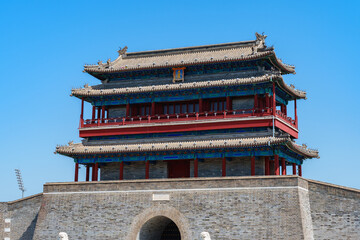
89	91
78	148
178	57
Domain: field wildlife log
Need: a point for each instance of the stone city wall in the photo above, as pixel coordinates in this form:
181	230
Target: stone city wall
232	208
335	211
18	218
227	208
3	216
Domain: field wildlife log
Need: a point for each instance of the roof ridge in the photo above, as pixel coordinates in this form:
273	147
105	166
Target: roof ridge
199	48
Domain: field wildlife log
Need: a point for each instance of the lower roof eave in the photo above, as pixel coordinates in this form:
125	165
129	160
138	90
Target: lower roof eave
73	150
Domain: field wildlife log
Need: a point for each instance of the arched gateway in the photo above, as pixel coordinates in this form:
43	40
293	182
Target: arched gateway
159	228
160	222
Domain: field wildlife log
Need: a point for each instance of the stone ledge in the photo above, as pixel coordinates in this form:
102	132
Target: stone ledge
182	183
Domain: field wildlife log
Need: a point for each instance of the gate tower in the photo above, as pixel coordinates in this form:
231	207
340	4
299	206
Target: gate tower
205	111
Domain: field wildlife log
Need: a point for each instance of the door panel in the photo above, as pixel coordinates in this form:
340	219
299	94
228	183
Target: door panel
178	169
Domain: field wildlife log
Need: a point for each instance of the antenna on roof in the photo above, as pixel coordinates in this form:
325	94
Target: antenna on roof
20	181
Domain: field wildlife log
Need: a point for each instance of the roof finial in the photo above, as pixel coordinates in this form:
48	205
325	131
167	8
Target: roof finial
122	51
260	39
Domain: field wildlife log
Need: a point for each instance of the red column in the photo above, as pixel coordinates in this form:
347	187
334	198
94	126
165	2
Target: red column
82	108
76	172
87	172
300	171
147	166
267	165
294	168
95	172
283	166
196	167
228	103
282	108
276	160
252	166
93	113
274	100
121	171
153	108
102	113
200	105
82	113
223	170
295	111
98	115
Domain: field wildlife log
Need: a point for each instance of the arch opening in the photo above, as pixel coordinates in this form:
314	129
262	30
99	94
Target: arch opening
159	228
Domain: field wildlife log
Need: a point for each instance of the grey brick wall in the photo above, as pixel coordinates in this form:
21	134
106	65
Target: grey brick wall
206	168
282	207
133	170
243	103
23	215
117	112
335	211
3	216
228	210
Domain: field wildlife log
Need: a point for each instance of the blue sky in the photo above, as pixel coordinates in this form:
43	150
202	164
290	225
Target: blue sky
44	45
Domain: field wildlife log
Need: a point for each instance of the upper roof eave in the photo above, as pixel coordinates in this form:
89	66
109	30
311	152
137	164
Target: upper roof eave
181	57
284	68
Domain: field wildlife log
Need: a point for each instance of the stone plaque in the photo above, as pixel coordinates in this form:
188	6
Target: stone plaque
160	197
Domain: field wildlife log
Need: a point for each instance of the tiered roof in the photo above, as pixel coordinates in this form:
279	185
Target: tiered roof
88	91
80	149
182	57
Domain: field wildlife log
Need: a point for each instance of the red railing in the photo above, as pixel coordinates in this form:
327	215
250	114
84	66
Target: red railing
184	117
286	118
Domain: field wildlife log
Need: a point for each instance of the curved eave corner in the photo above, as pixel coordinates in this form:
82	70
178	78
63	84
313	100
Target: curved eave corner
297	94
284	68
303	150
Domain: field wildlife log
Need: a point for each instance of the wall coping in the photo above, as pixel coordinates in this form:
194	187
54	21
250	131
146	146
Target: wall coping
334	185
25	198
179	183
199	179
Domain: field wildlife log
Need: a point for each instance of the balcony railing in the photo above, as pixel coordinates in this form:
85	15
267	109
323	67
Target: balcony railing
164	118
286	118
